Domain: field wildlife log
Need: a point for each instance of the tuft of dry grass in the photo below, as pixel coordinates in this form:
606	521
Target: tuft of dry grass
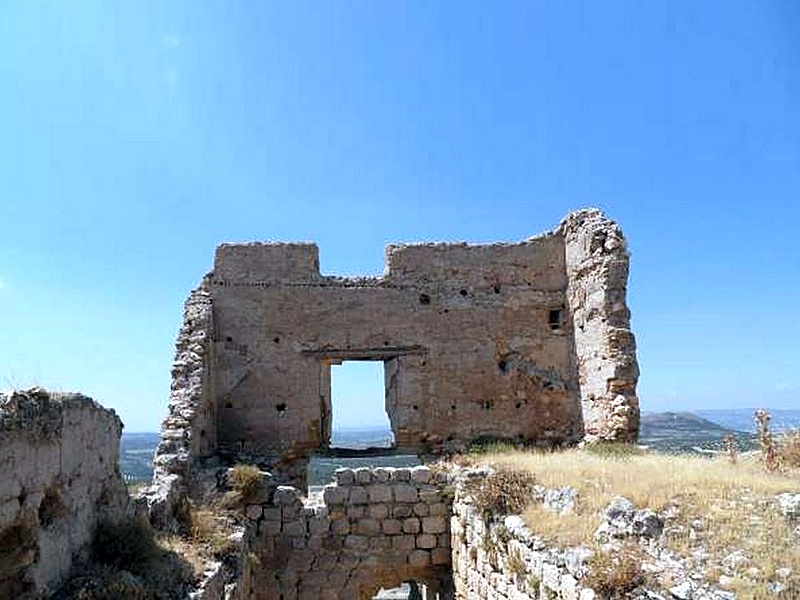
210	529
710	503
615	574
506	491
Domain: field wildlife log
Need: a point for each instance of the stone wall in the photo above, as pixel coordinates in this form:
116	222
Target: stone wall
528	341
372	528
60	476
503	560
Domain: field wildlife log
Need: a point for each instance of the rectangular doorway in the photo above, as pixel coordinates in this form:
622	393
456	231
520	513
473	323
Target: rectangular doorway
358	403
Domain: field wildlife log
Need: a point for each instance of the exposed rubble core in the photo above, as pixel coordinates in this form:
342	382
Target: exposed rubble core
60	477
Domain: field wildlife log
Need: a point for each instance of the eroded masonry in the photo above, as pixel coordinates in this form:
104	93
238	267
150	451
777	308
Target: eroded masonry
528	341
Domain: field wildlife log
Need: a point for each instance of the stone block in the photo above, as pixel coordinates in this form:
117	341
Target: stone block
381	475
379	492
439	509
378	511
344	477
404	543
419	558
421	509
358	495
401	474
405	493
253	512
340	526
411	525
332	494
420	474
391	526
358	543
356	512
426	541
363	475
434	524
367	526
318	525
271	513
401	511
294	528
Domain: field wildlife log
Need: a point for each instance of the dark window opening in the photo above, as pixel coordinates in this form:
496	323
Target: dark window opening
462	292
281	407
554	319
424	299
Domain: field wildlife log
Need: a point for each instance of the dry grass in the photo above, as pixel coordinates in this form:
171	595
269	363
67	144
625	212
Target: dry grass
712	504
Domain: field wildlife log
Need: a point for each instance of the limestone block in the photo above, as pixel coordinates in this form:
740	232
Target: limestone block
380	544
254	512
319	525
405	493
340	526
294	528
358	495
333	494
356	511
271	513
439	509
400	474
401	511
421	509
420	474
411	525
419	558
378	511
426	541
363	475
381	475
358	543
379	492
434	524
404	543
391	526
344	477
270	528
367	526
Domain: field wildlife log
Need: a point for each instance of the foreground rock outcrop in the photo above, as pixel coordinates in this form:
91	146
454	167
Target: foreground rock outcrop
60	478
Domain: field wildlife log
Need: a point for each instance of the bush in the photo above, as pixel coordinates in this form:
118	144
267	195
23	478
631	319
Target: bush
790	449
246	481
616	574
502	492
127	545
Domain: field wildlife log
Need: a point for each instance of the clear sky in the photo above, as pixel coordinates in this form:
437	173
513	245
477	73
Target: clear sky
136	136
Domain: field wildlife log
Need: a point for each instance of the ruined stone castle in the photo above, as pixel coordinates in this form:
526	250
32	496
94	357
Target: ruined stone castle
528	342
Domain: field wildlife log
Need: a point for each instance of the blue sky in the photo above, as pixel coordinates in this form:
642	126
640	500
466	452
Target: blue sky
135	137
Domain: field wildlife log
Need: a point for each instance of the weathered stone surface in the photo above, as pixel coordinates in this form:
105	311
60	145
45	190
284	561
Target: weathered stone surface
58	459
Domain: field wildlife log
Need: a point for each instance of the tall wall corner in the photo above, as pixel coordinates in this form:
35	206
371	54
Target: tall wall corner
597	262
188	432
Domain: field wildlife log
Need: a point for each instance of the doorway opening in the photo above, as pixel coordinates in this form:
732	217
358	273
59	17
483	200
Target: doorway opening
358	402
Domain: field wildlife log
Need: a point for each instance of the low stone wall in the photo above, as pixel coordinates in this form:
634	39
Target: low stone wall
373	528
503	561
59	477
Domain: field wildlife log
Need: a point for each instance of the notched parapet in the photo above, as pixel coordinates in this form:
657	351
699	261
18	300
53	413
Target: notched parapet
266	262
536	262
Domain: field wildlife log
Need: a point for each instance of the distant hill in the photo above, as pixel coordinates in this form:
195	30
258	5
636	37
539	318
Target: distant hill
687	432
